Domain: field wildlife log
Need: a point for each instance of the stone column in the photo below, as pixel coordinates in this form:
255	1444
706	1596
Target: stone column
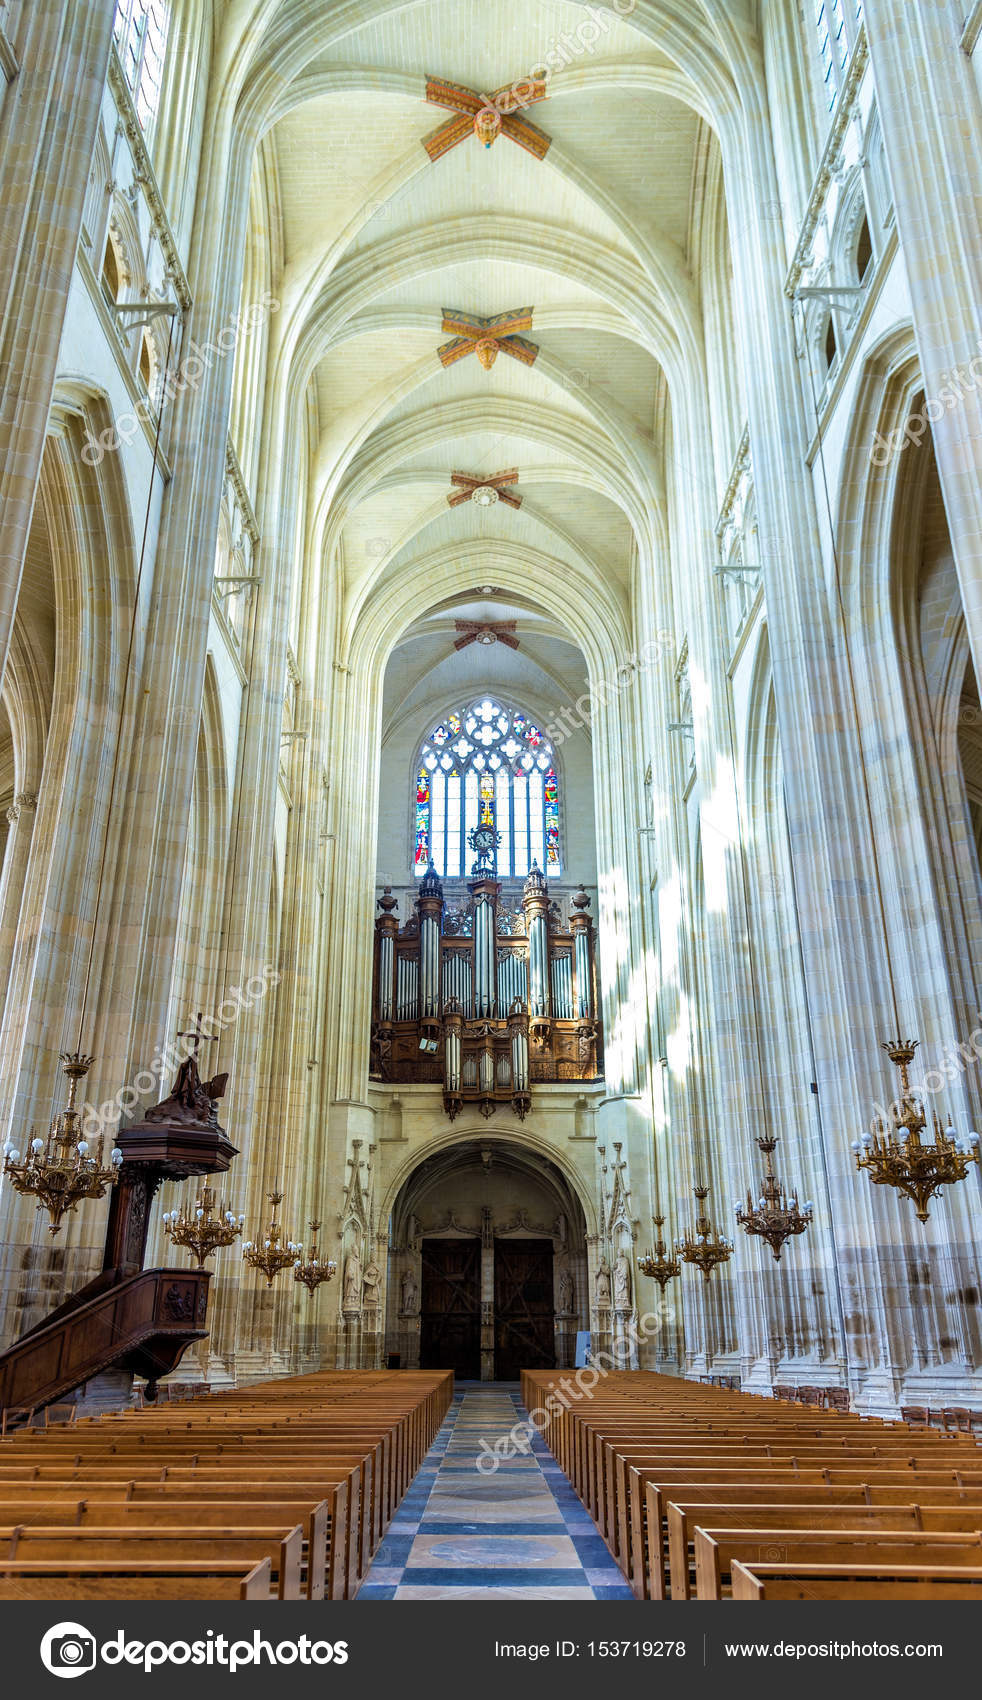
931	117
49	120
829	843
21	817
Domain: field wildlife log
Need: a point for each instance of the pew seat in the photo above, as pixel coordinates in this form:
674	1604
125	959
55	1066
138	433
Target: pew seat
117	1579
855	1582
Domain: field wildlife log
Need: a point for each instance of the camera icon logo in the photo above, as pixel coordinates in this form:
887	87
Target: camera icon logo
68	1650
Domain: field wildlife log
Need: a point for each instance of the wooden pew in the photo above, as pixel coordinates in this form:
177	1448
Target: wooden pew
112	1579
684	1519
281	1548
717	1550
855	1582
332	1453
659	1488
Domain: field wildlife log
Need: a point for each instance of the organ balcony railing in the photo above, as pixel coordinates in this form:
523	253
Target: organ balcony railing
485	1000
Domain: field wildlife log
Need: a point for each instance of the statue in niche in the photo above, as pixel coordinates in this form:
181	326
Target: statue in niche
351	1299
602	1286
410	1293
622	1283
567	1293
373	1276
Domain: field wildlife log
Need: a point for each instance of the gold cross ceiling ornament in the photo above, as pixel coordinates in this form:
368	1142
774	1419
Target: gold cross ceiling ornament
484	491
487	116
487	338
476	631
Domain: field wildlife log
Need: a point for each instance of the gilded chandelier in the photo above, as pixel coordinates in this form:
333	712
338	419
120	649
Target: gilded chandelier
312	1269
200	1230
705	1247
775	1217
271	1253
656	1264
901	1158
64	1169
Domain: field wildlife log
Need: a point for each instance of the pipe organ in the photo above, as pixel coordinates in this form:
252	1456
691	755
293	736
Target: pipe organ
486	1001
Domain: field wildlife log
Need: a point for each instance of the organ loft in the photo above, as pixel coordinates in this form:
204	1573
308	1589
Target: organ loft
485	998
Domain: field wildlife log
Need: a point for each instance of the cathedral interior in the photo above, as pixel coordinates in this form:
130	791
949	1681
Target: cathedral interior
506	843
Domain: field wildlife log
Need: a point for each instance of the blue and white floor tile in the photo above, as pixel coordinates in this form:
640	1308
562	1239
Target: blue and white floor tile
519	1533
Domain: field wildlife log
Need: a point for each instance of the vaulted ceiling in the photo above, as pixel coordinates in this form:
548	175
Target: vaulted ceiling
378	240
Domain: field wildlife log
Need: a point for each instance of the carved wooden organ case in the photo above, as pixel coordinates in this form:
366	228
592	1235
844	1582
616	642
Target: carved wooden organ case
485	1001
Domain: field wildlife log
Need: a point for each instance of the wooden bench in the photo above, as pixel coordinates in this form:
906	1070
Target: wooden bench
111	1579
717	1550
683	1520
319	1462
282	1548
855	1582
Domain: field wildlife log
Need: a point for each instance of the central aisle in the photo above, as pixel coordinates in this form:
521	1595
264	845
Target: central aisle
519	1533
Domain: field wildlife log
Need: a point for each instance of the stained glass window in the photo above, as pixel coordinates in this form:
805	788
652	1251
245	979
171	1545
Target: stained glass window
140	33
487	765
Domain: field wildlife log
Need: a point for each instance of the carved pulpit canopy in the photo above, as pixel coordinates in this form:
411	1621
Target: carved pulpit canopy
182	1135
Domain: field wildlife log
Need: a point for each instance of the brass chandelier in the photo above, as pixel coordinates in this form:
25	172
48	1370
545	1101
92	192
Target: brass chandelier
271	1254
901	1158
705	1247
201	1230
656	1264
774	1216
64	1169
312	1269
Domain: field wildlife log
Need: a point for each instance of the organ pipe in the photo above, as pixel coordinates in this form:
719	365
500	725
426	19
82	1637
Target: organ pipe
486	1014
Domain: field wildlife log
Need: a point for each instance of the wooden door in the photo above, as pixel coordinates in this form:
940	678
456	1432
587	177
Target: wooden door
450	1307
524	1334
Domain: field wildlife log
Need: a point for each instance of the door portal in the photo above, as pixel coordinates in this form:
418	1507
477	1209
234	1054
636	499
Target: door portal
524	1336
450	1309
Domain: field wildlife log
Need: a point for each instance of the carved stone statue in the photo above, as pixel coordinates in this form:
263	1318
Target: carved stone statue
410	1293
602	1286
622	1283
373	1276
380	1052
351	1298
567	1293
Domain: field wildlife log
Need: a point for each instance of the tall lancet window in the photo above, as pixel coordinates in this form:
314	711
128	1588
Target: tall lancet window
140	35
487	765
838	24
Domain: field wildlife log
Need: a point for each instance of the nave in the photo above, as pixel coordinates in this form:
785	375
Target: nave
517	1532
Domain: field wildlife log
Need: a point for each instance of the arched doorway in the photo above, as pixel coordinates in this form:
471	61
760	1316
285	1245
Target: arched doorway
488	1263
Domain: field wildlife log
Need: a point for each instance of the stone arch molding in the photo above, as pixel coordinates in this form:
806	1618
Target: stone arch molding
268	45
510	1132
575	597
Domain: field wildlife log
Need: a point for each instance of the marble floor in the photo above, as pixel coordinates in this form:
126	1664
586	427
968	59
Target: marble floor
513	1532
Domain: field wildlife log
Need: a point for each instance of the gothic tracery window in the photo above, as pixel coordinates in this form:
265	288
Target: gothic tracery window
838	24
487	765
140	35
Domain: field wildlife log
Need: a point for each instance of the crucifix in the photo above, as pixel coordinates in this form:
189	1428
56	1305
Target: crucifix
194	1036
487	116
484	491
487	338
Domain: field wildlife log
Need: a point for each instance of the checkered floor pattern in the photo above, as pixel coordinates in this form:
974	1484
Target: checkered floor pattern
517	1532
